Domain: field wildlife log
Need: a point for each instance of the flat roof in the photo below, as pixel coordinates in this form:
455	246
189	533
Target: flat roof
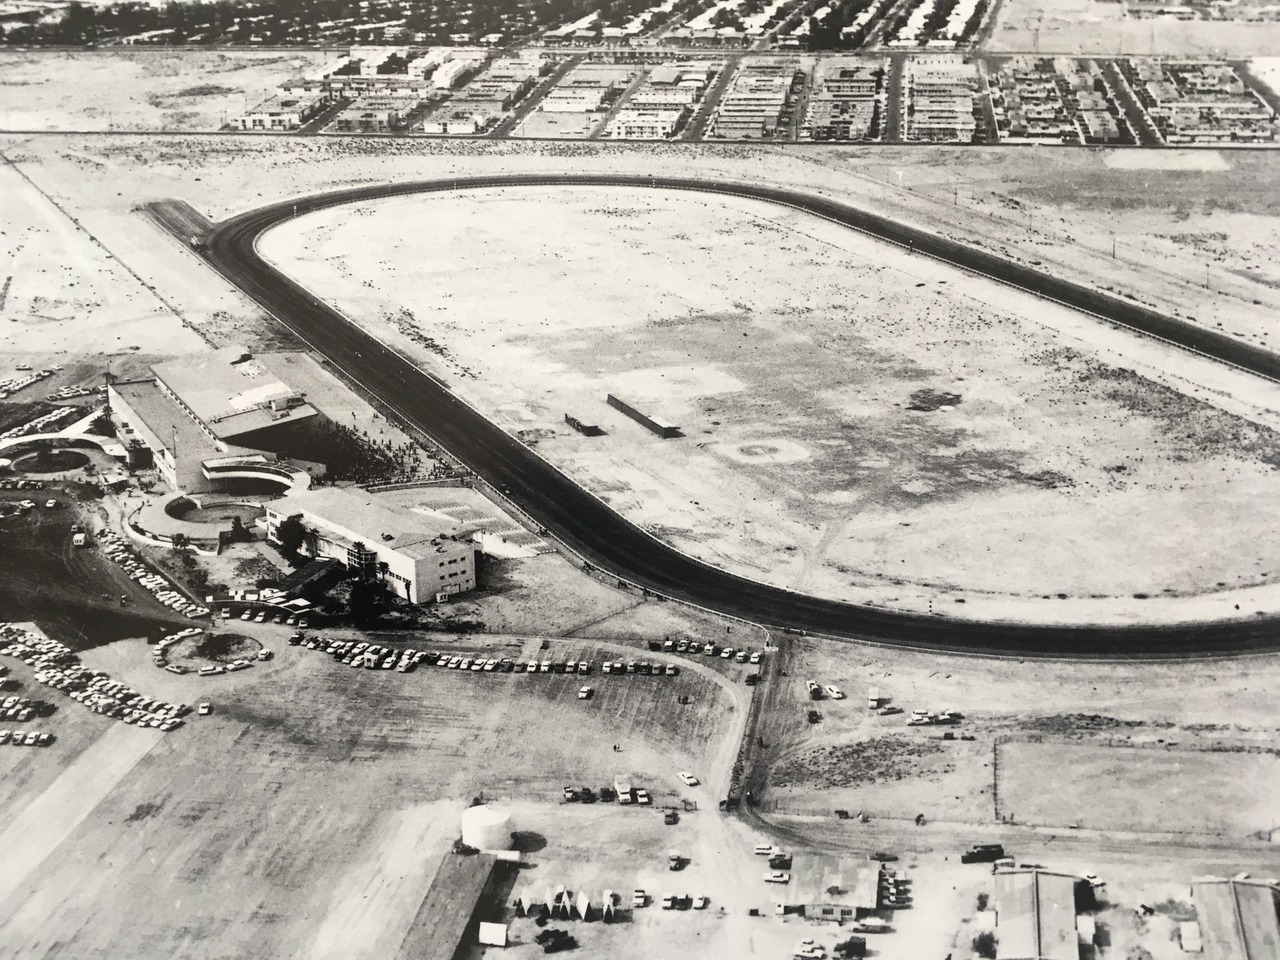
448	908
362	516
230	391
814	875
1238	919
165	418
1036	916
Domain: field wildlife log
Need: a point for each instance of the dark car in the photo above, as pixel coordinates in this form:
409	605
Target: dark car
982	853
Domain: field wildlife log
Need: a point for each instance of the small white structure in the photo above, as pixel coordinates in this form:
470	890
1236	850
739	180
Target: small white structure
486	828
493	934
1189	937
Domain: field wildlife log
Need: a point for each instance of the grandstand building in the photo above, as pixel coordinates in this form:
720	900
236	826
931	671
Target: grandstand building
213	419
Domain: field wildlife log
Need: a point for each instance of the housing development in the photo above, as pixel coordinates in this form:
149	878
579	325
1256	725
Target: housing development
648	478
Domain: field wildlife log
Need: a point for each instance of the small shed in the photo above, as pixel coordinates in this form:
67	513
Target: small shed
493	934
1189	937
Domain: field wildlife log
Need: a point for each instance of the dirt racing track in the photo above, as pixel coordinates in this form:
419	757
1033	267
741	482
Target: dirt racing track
608	541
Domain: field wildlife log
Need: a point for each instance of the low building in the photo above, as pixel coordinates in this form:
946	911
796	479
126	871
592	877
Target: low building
844	100
1036	915
1239	919
282	113
214	418
418	561
839	889
646	124
452	74
375	115
455	123
753	106
941	93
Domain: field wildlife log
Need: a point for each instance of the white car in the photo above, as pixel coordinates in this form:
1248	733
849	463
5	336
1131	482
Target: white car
777	876
584	693
639	898
835	693
204	709
688	779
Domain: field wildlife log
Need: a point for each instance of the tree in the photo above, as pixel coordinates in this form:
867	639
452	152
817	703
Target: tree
984	945
291	534
851	948
368	600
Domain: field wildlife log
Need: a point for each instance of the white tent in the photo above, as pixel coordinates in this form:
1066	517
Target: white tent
583	905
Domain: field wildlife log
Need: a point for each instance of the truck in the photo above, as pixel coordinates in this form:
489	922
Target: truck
623	789
873	698
78	540
983	853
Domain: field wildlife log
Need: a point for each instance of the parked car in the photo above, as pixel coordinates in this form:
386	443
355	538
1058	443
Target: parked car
688	779
643	798
584	693
777	876
639	898
982	853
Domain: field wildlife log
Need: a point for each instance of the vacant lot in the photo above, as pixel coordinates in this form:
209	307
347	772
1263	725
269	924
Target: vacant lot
139	90
1091	26
1149	789
306	815
64	292
1105	762
901	431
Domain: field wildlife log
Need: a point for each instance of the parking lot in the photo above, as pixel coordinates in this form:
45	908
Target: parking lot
76	593
308	779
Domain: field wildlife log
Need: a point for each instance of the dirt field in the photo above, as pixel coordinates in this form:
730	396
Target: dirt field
827	448
1188	734
1054	784
140	90
65	292
1091	26
313	788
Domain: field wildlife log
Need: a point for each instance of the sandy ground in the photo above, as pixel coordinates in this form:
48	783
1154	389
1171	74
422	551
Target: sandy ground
810	458
66	292
1093	27
1052	743
1054	207
306	816
140	90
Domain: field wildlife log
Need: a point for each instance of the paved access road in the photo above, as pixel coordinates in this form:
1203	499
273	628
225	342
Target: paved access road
604	538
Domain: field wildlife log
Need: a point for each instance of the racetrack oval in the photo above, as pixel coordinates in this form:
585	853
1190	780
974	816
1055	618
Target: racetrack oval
587	525
939	430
